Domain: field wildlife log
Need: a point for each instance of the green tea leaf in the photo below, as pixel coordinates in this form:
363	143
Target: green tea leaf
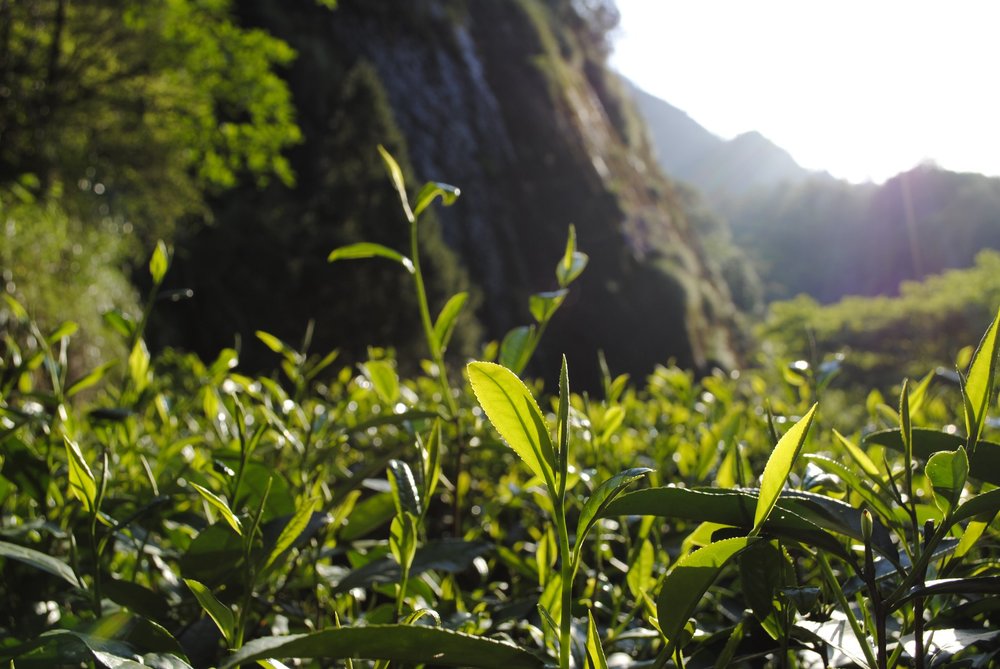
403	538
159	263
562	428
980	380
405	644
67	329
90	379
599	500
778	466
81	479
688	582
573	262
220	614
984	462
405	492
435	189
369	250
138	365
515	415
41	561
292	530
595	653
445	323
221	506
516	348
543	305
948	471
859	456
396	176
383	378
640	570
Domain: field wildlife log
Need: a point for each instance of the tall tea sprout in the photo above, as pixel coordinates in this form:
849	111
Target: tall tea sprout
437	332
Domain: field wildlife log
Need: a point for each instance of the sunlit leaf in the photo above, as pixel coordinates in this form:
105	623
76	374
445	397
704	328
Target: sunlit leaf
947	471
688	582
41	561
221	506
445	323
514	413
159	263
398	183
778	466
543	305
81	480
369	250
432	190
980	380
220	614
601	497
292	530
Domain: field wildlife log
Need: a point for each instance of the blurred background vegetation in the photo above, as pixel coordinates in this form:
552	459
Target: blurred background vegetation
245	133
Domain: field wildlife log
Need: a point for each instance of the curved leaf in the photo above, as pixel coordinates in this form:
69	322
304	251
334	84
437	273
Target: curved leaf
978	388
688	582
432	190
599	500
369	250
515	415
396	176
39	560
947	471
407	644
220	614
221	506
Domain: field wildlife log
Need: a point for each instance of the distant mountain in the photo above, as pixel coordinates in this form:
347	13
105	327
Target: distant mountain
719	168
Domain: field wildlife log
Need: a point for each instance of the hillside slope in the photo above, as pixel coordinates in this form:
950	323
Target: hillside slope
511	102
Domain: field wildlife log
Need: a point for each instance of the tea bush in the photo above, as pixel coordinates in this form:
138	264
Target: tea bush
187	515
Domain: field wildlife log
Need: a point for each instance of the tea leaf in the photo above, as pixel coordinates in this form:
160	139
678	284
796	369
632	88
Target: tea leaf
221	506
406	644
396	176
41	561
81	479
779	464
595	653
220	614
515	415
572	263
383	378
980	380
599	500
435	189
292	530
688	582
405	493
984	462
159	263
543	305
947	471
369	250
445	323
515	349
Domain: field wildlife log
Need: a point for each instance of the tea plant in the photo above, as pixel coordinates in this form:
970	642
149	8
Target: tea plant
163	511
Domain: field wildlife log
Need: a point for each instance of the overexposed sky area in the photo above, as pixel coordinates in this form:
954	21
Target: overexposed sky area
862	89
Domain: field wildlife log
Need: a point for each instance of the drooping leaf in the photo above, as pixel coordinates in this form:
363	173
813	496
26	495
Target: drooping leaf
363	250
688	582
514	413
602	496
220	614
778	466
445	323
221	506
947	471
406	644
432	190
41	561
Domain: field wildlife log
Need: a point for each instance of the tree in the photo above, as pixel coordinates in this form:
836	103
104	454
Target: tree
140	107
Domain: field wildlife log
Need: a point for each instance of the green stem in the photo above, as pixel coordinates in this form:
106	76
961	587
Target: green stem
846	606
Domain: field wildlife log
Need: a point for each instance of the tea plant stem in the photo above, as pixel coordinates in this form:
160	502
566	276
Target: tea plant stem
838	592
567	569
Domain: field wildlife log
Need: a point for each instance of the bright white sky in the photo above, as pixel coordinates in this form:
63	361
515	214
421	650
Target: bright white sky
861	88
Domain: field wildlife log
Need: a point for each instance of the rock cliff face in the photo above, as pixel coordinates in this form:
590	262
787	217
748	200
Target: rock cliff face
509	101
